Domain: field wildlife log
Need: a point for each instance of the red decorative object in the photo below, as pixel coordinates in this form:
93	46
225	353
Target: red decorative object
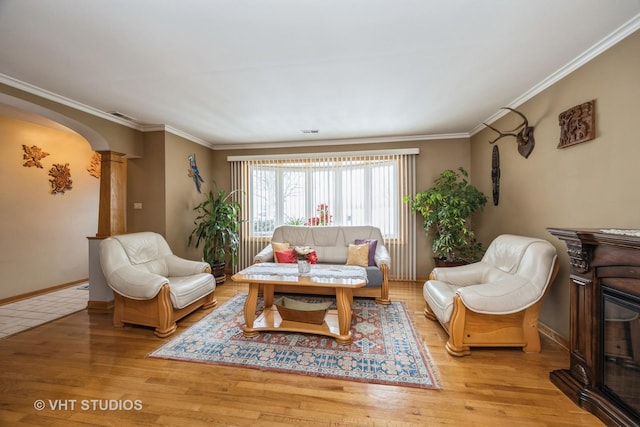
323	218
312	257
286	257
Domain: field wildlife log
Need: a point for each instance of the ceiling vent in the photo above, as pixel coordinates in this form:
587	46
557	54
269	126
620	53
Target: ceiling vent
121	116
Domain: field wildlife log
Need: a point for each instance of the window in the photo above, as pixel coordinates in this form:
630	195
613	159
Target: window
358	188
352	192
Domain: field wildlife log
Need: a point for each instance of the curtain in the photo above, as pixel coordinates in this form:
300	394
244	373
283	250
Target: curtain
354	188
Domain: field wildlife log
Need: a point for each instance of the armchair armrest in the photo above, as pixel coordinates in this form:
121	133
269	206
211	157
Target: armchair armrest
135	283
464	275
265	255
185	267
504	296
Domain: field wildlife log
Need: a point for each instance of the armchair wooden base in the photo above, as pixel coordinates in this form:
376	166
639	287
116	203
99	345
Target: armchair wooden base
157	312
468	329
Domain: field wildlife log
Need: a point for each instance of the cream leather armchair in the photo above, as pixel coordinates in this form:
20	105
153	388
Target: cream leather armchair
495	302
152	286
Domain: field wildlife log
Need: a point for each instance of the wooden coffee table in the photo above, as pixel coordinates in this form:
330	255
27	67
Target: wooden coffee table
337	323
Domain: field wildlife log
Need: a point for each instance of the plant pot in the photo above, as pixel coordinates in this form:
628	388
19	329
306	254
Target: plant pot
444	263
218	272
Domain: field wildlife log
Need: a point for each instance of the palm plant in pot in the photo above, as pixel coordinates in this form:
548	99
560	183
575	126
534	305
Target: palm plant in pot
447	208
218	229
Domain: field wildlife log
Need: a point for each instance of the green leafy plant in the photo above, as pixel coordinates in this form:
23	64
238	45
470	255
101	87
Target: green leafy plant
218	228
447	208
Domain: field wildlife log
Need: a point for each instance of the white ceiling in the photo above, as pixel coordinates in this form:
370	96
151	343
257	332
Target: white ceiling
240	73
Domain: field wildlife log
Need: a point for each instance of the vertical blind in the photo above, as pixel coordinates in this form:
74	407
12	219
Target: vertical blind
358	188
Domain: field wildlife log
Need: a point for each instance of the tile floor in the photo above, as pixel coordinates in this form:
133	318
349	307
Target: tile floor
25	314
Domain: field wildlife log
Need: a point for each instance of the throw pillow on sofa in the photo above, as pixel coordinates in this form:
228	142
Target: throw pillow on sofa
277	246
358	255
286	257
373	244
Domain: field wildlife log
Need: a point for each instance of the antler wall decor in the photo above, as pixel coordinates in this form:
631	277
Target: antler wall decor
524	136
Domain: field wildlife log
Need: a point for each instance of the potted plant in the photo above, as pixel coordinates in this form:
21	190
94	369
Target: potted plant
218	229
447	208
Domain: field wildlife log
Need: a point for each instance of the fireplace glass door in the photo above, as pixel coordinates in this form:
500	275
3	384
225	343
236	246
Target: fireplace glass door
621	348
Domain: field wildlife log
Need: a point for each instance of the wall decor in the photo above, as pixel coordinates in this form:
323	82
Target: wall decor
495	174
577	124
94	165
194	173
61	178
524	136
32	156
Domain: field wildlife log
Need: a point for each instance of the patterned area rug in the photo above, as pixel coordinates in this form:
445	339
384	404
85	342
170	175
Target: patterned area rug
385	348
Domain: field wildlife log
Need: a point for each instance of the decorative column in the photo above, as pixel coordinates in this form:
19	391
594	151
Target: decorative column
113	188
111	221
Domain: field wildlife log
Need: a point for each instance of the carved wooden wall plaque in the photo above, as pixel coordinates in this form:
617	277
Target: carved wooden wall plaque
577	124
32	156
94	165
61	178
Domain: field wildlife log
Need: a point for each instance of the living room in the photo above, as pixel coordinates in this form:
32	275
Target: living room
583	186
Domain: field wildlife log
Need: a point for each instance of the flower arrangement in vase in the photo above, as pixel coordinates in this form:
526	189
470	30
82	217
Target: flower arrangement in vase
306	256
323	217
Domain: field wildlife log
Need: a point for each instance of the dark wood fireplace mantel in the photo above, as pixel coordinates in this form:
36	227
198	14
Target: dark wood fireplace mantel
601	263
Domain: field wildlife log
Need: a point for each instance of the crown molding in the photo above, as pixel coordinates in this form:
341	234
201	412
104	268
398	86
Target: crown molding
344	141
43	93
177	132
613	38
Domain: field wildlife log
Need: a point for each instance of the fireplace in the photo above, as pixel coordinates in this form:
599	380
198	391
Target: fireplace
620	350
604	287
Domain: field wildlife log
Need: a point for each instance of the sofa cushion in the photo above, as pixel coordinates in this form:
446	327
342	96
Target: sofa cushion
186	289
439	295
373	244
286	257
374	277
358	255
277	246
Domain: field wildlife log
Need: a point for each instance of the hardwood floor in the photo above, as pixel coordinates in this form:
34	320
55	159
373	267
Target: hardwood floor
95	374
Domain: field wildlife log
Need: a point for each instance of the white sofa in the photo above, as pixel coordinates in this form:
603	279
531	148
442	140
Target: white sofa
331	244
152	286
494	302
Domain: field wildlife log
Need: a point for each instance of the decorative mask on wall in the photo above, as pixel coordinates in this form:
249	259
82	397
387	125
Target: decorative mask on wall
495	174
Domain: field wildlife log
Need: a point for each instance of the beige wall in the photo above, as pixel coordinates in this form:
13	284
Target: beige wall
182	195
592	184
160	181
44	236
435	156
146	185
